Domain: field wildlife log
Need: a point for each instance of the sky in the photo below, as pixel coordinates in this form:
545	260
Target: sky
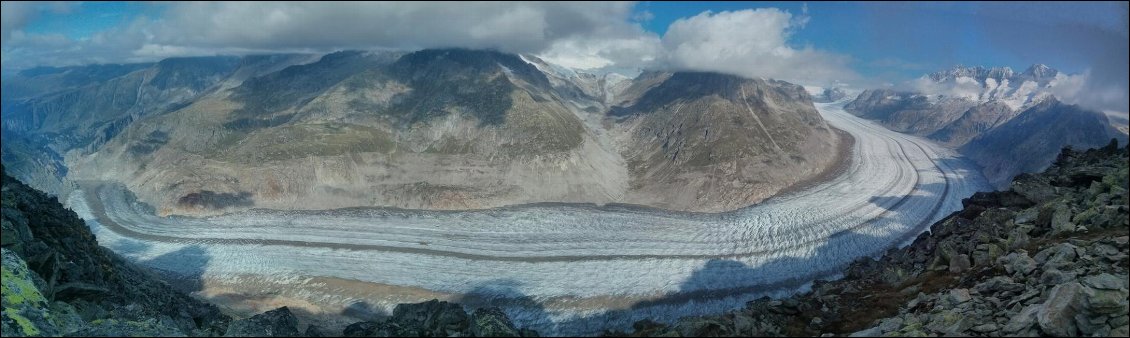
861	44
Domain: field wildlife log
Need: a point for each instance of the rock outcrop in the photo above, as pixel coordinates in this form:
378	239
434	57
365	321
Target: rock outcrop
436	318
57	280
1047	257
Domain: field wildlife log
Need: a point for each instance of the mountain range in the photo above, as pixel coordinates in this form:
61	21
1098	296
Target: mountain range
432	129
1007	122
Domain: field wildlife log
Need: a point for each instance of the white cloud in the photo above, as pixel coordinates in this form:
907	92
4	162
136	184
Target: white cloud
750	43
581	35
203	28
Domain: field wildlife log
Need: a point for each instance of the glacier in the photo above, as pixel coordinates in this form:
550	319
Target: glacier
561	269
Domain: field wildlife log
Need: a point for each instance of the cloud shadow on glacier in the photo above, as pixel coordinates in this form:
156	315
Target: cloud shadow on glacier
710	289
364	311
183	268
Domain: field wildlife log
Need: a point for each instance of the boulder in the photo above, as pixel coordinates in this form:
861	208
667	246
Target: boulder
1056	277
314	331
492	322
958	296
1024	320
959	263
1061	220
1059	256
26	311
1106	302
1033	188
1026	216
998	284
1057	315
275	323
375	329
434	318
1018	263
1105	281
129	328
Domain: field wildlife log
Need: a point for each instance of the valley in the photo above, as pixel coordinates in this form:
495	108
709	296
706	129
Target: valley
556	267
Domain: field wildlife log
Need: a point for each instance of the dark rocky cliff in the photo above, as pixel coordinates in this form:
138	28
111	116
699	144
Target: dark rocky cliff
78	287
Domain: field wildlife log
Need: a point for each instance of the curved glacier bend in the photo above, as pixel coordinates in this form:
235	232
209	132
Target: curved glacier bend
569	269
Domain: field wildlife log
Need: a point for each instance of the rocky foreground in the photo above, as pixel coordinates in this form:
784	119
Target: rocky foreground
1047	257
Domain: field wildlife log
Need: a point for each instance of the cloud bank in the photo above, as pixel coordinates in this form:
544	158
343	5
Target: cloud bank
579	35
606	36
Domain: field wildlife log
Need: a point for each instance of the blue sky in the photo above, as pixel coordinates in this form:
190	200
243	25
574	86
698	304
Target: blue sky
913	38
886	41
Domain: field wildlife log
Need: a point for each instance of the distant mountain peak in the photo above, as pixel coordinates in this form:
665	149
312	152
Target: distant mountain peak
1040	71
977	72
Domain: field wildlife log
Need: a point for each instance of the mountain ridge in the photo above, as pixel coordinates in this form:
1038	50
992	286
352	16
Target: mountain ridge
977	110
431	129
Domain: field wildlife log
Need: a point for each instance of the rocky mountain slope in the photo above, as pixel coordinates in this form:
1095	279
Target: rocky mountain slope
1047	257
432	129
50	113
1008	122
58	281
719	142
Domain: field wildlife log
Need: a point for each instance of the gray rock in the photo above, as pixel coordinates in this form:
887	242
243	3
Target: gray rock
1105	281
1088	326
432	318
951	323
314	331
126	328
998	284
958	296
1018	263
1121	331
959	263
491	322
890	324
275	323
1026	216
699	327
985	328
1034	188
744	325
1119	320
374	329
1061	220
872	332
1053	277
1023	320
1106	302
1057	315
1107	251
1059	256
985	254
